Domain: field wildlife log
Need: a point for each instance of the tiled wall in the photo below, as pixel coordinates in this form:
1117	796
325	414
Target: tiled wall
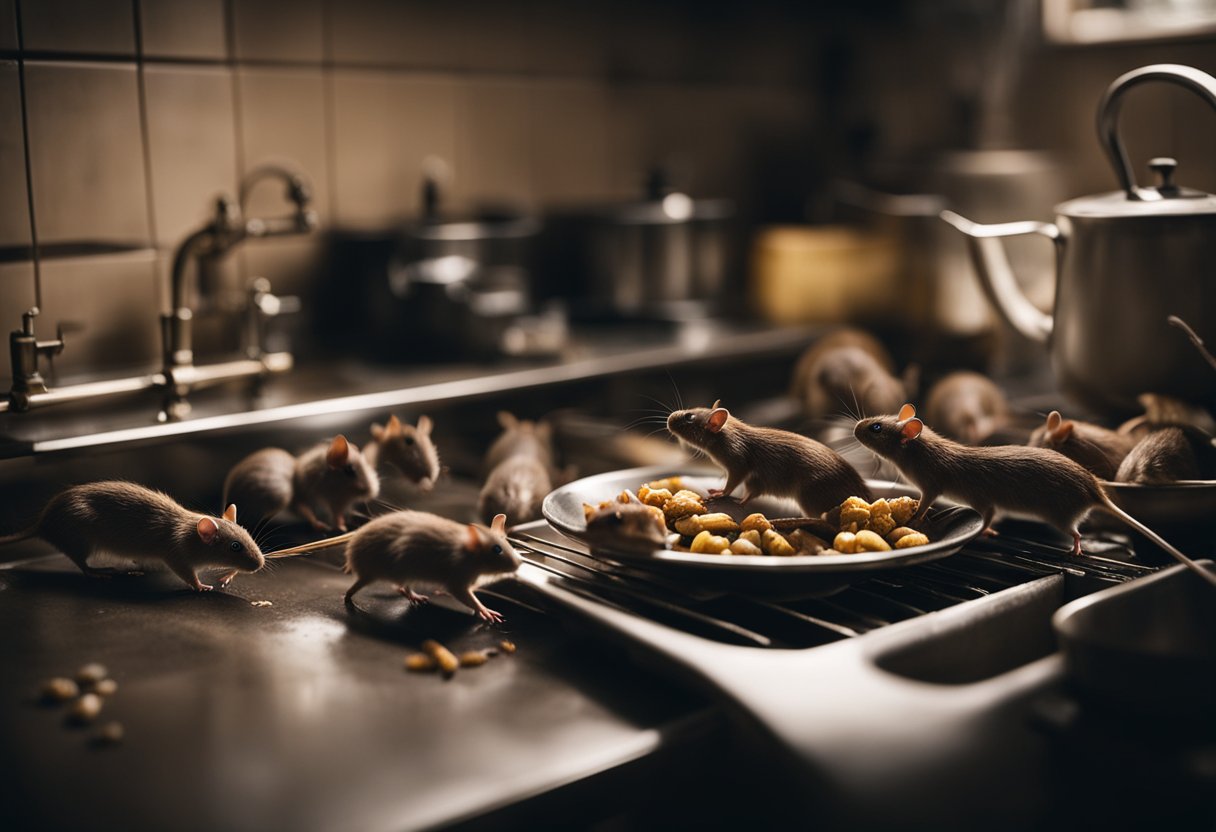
137	113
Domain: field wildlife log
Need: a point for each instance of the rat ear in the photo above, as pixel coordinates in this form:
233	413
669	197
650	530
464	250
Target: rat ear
715	405
424	425
499	524
906	412
230	513
911	379
717	419
1053	420
911	429
378	432
207	529
507	420
338	453
393	428
473	541
1062	431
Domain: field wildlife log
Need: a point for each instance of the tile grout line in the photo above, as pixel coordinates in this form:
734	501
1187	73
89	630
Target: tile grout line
145	132
29	167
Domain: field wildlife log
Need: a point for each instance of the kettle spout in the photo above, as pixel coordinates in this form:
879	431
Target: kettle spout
996	274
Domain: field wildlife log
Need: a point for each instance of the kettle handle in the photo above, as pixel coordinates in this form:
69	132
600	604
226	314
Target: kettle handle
1108	114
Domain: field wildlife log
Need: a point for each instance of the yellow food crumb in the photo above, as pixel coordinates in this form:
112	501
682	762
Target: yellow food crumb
707	543
774	543
654	496
669	483
682	504
910	540
757	522
696	523
845	543
745	547
868	541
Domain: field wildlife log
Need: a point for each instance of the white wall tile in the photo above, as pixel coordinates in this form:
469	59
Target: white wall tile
86	153
385	125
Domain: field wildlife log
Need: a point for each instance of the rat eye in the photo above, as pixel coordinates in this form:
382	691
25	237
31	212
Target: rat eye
349	470
876	428
688	417
496	549
409	440
235	546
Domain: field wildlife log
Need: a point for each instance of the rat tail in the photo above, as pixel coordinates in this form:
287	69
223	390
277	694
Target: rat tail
24	534
1177	554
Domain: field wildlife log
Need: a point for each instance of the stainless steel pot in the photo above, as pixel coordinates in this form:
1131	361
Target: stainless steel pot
1126	261
665	256
453	288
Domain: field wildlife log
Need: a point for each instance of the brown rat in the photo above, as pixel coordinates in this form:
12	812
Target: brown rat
631	527
331	474
769	461
407	448
407	548
1095	448
968	407
122	518
845	369
1037	482
1169	454
520	465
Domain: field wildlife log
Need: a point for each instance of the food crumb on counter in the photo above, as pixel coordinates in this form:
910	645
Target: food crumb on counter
261	603
59	690
111	734
437	657
421	663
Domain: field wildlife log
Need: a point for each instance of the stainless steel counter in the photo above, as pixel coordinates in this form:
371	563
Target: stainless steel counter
300	715
331	393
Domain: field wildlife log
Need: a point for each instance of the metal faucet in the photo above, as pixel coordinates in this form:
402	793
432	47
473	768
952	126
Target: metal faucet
227	229
179	374
24	350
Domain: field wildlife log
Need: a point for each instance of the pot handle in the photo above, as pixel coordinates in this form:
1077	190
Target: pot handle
996	274
1108	115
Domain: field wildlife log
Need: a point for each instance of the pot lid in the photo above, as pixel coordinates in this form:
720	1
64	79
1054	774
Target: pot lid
1164	199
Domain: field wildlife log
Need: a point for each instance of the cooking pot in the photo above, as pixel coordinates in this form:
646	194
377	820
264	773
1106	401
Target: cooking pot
664	256
1125	262
454	287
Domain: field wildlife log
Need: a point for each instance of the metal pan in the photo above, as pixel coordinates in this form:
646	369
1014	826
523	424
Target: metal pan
1148	645
948	527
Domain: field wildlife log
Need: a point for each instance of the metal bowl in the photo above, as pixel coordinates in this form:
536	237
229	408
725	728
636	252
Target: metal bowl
948	527
1182	512
1148	645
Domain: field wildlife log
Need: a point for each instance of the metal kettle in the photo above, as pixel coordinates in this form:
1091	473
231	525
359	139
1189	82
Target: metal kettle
1125	262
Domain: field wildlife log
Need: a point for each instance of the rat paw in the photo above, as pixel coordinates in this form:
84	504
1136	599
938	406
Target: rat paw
227	578
415	597
990	532
203	587
716	492
492	616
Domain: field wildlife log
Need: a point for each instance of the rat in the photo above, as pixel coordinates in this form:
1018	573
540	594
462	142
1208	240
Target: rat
1169	454
332	474
417	547
123	518
632	526
1095	448
520	465
407	448
768	460
968	407
1037	482
849	367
